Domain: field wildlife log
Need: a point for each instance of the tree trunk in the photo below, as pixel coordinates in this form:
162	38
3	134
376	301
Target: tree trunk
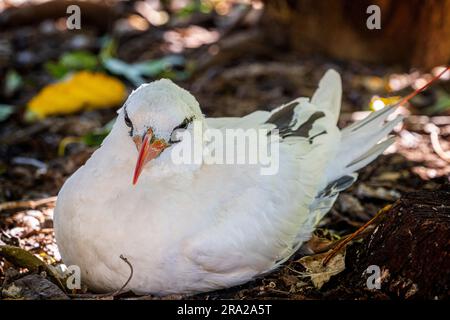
413	32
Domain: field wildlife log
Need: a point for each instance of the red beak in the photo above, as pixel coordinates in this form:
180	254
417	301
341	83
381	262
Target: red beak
149	149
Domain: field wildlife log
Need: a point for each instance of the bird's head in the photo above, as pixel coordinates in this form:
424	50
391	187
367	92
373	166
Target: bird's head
153	114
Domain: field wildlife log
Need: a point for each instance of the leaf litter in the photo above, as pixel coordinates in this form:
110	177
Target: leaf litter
226	88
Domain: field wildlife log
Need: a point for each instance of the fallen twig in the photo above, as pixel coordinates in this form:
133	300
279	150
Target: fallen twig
336	243
336	249
110	295
32	204
129	278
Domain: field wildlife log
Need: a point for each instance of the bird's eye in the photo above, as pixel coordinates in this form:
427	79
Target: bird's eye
183	125
127	119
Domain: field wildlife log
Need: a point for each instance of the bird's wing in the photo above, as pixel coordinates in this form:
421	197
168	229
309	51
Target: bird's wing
297	117
267	218
251	120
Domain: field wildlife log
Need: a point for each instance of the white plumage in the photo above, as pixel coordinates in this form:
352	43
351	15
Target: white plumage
196	228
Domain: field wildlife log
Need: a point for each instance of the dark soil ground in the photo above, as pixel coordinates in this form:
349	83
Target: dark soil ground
31	169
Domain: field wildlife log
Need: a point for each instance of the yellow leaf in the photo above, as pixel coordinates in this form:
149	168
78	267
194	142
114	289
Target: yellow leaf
377	103
83	90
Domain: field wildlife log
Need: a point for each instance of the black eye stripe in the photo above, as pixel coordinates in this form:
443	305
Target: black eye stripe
182	125
127	119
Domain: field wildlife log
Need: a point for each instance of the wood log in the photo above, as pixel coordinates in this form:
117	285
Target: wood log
411	246
100	14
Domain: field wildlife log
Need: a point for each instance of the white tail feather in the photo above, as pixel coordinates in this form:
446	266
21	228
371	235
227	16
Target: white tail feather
360	143
329	93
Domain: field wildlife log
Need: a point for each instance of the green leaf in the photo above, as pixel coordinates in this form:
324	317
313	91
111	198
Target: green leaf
79	60
5	111
70	61
194	7
93	139
135	72
56	70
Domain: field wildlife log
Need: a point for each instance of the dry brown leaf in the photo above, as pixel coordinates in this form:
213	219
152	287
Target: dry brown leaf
33	287
319	273
24	259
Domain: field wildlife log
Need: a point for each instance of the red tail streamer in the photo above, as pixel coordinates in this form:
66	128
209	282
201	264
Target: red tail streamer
417	91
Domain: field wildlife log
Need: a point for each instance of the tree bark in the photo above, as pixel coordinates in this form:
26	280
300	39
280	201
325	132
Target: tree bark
413	32
411	246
